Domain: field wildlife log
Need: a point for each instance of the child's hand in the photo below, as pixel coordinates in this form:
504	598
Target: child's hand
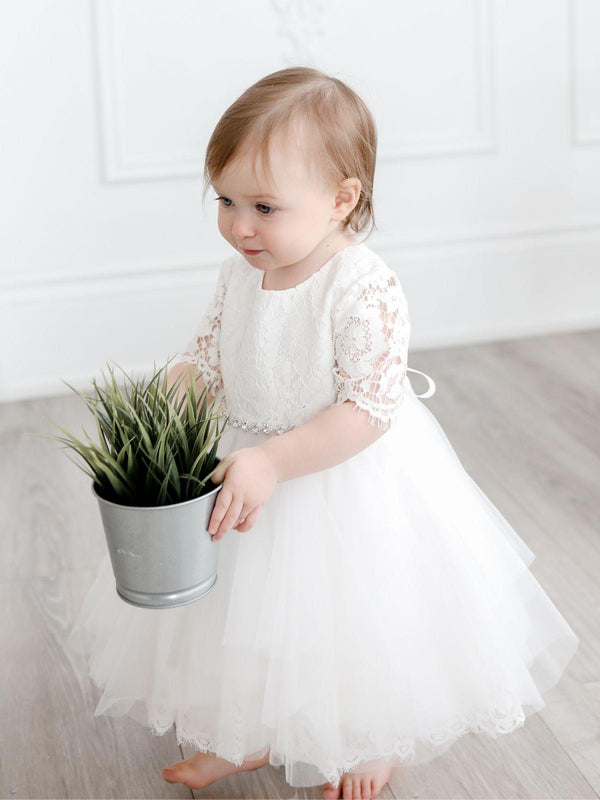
249	478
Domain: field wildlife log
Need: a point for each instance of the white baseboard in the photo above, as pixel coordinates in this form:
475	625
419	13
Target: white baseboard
69	327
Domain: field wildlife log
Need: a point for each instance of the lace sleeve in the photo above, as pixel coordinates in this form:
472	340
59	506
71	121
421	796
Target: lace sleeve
203	349
371	334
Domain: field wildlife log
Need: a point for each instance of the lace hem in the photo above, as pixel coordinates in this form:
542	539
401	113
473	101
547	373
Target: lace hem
236	743
365	749
374	417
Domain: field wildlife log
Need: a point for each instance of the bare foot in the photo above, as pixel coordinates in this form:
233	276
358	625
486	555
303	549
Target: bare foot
358	786
202	769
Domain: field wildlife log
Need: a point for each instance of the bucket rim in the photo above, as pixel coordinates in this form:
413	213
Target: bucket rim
153	508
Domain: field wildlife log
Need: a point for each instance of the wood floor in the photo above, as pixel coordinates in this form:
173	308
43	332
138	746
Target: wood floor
523	417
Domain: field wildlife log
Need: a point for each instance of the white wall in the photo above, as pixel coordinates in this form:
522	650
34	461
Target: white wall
487	190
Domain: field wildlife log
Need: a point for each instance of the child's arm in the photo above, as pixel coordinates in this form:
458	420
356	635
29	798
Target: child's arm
371	333
190	372
201	356
250	474
332	436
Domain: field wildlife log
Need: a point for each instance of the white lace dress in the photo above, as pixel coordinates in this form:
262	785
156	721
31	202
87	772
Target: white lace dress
378	609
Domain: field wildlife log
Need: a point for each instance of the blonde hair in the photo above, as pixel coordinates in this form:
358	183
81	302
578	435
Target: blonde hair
343	136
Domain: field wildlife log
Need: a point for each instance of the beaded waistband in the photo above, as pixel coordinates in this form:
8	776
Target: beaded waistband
254	427
265	427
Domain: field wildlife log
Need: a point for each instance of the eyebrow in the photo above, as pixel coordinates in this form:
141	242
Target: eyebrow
266	195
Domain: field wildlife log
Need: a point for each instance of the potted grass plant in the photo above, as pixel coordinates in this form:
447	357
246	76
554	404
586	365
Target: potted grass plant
151	470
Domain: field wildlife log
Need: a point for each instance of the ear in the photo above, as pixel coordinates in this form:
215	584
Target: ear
346	198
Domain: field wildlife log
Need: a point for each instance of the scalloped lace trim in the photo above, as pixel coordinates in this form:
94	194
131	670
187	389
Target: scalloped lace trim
360	746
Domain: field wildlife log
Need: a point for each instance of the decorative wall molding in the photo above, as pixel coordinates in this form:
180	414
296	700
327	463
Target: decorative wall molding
584	129
118	165
516	288
484	138
303	24
18	287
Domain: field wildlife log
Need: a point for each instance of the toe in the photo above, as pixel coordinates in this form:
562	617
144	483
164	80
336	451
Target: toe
172	774
365	789
331	792
173	767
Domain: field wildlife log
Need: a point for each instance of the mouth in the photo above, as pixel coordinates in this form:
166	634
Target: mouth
252	252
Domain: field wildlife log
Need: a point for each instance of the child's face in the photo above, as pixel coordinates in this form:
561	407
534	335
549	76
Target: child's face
286	220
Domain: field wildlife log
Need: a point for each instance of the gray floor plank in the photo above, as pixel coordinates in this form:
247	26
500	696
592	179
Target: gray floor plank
50	517
528	763
50	744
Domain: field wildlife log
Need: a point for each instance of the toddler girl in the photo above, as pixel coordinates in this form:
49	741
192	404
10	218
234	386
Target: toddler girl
372	605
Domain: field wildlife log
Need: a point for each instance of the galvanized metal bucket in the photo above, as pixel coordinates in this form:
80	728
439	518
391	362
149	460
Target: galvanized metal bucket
162	556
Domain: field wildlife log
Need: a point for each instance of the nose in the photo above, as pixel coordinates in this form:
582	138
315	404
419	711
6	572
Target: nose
242	227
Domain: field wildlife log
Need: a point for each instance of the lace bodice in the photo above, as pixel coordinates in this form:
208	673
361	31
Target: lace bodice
282	356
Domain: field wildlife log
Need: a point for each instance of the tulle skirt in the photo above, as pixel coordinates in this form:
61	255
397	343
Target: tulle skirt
376	612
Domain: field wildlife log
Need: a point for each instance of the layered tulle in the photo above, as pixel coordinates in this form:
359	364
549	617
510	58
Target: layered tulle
377	611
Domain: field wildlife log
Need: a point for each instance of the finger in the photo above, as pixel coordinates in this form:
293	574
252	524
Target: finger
222	504
219	473
250	520
228	520
242	515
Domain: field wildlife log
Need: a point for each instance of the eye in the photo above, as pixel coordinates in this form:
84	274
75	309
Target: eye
258	205
265	206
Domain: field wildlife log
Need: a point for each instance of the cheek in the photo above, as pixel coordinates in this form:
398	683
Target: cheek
222	225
